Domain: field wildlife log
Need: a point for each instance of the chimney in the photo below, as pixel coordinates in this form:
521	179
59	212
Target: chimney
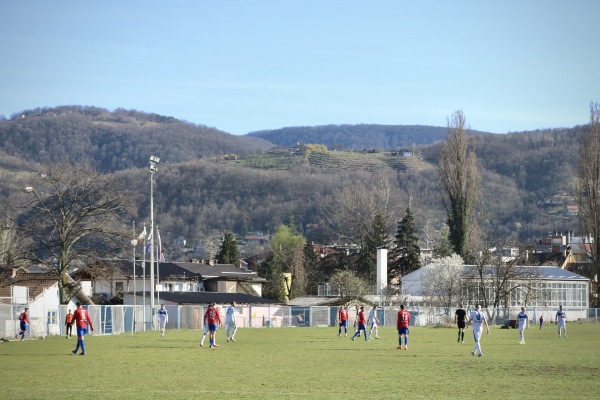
14	273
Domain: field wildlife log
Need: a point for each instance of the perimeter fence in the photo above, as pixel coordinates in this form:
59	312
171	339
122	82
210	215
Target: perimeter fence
118	319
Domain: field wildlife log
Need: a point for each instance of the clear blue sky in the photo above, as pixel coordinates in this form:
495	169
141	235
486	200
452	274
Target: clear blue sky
242	66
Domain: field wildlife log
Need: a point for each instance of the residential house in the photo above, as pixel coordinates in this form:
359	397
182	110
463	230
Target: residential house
38	292
110	280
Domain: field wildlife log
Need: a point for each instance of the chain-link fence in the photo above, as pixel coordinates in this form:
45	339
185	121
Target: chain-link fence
109	320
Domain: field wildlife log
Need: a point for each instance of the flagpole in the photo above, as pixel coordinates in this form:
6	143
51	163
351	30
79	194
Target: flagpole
144	279
158	249
134	242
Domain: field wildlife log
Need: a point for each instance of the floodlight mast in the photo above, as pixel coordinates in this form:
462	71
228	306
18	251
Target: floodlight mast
153	168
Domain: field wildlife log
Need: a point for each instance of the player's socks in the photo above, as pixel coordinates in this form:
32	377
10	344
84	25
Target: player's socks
78	345
83	347
462	336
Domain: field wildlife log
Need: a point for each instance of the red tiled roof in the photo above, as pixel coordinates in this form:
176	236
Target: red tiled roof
36	283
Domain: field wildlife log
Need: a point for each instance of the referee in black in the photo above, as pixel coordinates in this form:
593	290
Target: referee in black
460	317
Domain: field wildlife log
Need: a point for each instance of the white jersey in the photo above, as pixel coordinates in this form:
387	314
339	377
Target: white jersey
230	314
477	318
522	317
163	317
372	316
561	317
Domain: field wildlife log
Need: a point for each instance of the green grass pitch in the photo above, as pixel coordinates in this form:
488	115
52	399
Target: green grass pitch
307	363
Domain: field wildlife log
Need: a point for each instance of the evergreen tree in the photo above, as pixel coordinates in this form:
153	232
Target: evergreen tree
229	253
271	271
367	260
407	252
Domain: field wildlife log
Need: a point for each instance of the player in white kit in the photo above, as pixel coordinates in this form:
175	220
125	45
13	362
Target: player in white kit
478	319
523	324
561	321
230	322
163	318
373	321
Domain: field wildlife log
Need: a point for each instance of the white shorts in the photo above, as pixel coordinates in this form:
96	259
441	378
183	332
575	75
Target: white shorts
477	334
230	325
562	323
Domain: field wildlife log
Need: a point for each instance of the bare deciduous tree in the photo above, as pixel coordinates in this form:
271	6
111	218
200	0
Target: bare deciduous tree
351	217
73	216
442	280
588	191
459	176
496	276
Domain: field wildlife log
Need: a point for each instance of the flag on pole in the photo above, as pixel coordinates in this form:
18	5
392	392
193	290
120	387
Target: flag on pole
161	255
141	237
143	234
149	245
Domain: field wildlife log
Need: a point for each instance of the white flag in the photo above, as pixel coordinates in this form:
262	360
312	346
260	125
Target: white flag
143	234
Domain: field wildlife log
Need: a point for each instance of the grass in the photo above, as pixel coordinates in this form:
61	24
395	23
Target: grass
307	363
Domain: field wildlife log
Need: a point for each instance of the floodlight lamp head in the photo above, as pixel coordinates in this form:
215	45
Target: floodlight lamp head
154	159
153	168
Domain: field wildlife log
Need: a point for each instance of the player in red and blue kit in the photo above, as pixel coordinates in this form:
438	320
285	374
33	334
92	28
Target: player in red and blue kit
23	321
214	319
360	319
402	325
343	318
82	319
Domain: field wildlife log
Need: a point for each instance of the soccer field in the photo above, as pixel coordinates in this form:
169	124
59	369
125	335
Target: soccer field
307	363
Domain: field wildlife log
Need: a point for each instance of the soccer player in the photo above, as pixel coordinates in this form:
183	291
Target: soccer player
402	325
205	332
460	317
561	321
82	319
214	319
343	320
523	324
163	318
356	321
541	321
360	321
69	324
23	321
230	323
478	319
373	320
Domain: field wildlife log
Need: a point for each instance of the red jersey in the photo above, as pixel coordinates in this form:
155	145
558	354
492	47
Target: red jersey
343	315
403	319
212	316
361	317
24	317
82	318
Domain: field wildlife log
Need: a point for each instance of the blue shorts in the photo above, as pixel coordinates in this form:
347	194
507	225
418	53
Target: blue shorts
23	326
81	331
212	327
362	327
402	331
343	323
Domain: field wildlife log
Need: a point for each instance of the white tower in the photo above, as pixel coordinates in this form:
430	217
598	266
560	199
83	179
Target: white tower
381	270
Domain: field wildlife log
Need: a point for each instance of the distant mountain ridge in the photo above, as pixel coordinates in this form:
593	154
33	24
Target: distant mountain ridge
215	181
355	137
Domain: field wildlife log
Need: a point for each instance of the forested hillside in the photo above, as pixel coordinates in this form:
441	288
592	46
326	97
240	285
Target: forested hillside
209	181
113	141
